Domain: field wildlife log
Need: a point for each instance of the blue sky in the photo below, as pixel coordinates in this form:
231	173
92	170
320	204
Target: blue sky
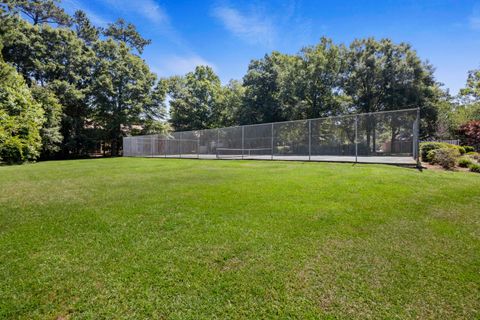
228	34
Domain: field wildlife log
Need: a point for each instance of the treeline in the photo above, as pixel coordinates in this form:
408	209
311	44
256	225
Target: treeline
70	88
324	80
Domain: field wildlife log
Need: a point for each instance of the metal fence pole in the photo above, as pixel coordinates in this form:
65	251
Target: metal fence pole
356	139
417	138
414	140
309	140
198	145
272	141
218	141
243	139
180	145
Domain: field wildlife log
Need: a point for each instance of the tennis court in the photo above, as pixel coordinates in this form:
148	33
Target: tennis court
384	137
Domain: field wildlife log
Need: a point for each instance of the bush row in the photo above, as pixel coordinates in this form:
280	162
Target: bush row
448	155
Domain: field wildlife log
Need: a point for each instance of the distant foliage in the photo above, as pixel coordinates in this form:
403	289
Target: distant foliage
470	133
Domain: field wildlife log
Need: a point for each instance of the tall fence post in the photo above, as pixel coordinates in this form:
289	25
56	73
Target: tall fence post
165	146
417	138
272	142
180	145
356	139
310	140
218	141
243	140
198	145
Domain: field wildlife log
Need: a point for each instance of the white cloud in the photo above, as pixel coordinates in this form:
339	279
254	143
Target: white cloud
152	11
73	5
252	28
179	65
148	9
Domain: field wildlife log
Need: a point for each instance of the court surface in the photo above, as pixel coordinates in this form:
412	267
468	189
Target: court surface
370	159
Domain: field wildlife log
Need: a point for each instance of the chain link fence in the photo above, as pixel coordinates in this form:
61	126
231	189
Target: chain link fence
380	137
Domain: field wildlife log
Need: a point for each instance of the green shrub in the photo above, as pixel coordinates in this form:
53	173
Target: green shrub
460	149
474	155
446	157
465	162
468	149
475	167
426	147
12	150
430	156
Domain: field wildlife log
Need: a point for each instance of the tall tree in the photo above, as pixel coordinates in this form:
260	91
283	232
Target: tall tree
84	28
229	105
120	30
262	101
385	76
40	11
57	58
317	81
472	88
52	110
21	118
194	99
122	86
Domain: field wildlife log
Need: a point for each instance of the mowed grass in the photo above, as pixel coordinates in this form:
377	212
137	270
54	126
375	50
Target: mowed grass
199	239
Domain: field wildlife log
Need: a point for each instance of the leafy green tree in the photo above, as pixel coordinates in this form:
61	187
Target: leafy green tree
21	118
229	104
472	89
383	76
40	11
120	30
317	81
121	87
152	118
151	126
194	99
262	101
57	58
84	28
469	99
50	131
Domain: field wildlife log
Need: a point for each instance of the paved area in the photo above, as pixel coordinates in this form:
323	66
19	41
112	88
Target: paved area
372	159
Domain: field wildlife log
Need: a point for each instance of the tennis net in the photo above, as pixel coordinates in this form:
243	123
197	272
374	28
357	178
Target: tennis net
243	153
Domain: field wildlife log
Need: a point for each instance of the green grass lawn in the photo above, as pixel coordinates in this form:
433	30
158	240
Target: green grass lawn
199	239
